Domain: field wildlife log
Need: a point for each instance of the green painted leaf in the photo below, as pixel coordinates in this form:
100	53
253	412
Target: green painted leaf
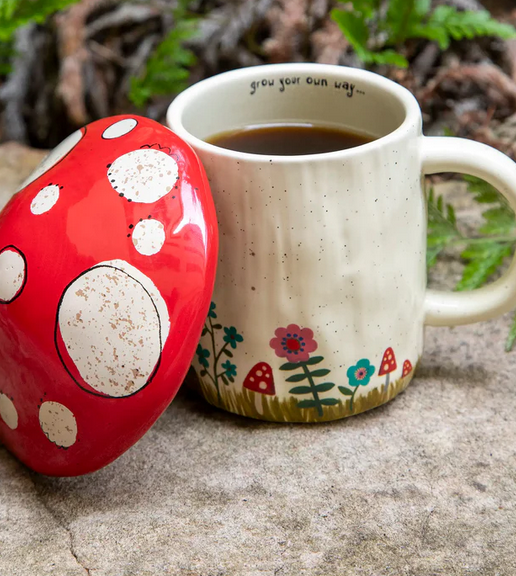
204	331
224	379
227	352
296	378
345	391
324	387
217	326
289	366
230	378
319	373
314	360
300	390
329	401
203	373
306	404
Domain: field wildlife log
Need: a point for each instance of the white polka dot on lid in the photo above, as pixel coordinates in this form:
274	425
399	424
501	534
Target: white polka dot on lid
56	155
8	412
45	199
144	175
120	128
13	273
58	424
113	323
148	237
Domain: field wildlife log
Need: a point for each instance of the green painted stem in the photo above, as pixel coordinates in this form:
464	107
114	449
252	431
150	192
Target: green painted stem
314	391
215	358
220	352
352	398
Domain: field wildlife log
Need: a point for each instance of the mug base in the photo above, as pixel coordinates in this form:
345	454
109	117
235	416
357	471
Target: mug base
276	409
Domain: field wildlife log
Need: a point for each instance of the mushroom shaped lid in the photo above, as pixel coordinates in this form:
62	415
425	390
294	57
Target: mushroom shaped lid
388	363
107	265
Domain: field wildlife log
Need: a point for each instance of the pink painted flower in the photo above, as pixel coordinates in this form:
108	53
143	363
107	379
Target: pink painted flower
293	343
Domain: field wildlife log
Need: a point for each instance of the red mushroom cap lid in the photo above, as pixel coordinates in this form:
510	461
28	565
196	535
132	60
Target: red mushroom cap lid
407	368
388	362
260	379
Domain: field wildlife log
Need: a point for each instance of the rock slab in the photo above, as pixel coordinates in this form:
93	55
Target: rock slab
423	486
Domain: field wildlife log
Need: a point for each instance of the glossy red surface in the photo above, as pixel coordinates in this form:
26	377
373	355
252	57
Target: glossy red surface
86	362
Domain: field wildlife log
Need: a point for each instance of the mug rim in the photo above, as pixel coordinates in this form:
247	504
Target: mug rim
175	111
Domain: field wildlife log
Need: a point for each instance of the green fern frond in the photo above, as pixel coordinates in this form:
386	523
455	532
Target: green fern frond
447	23
17	13
483	261
167	70
373	32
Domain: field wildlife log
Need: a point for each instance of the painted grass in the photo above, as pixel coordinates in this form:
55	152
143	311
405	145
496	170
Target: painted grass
274	409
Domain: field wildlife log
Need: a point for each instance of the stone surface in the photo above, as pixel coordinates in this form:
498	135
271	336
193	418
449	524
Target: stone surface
423	486
16	163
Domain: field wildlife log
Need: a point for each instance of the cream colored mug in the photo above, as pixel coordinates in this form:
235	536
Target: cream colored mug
320	299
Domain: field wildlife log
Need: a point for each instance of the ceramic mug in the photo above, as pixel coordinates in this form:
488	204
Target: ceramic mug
320	299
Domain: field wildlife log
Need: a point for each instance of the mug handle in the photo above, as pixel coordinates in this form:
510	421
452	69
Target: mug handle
447	154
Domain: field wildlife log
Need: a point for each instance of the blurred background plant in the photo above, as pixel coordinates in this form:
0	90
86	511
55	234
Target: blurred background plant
64	63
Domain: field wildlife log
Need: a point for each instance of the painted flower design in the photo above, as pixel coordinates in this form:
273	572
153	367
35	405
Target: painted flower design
293	343
214	369
360	373
211	313
229	368
202	356
231	336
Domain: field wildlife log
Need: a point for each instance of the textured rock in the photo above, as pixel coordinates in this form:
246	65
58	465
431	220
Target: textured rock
16	163
423	486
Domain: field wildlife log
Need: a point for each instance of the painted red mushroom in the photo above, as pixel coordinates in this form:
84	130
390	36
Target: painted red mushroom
107	264
407	368
260	379
388	365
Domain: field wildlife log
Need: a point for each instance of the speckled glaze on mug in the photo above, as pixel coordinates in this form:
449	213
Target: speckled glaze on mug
320	299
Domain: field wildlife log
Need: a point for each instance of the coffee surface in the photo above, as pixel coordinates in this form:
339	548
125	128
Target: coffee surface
288	139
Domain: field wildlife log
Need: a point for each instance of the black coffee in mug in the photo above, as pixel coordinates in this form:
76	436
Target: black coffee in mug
288	139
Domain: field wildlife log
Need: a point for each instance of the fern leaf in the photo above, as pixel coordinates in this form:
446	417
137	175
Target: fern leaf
511	337
466	24
366	8
388	57
484	192
354	28
7	8
17	13
404	15
167	70
499	221
484	261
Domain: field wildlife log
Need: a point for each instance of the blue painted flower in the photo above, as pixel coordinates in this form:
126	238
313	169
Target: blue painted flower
232	336
231	369
202	355
211	313
360	373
